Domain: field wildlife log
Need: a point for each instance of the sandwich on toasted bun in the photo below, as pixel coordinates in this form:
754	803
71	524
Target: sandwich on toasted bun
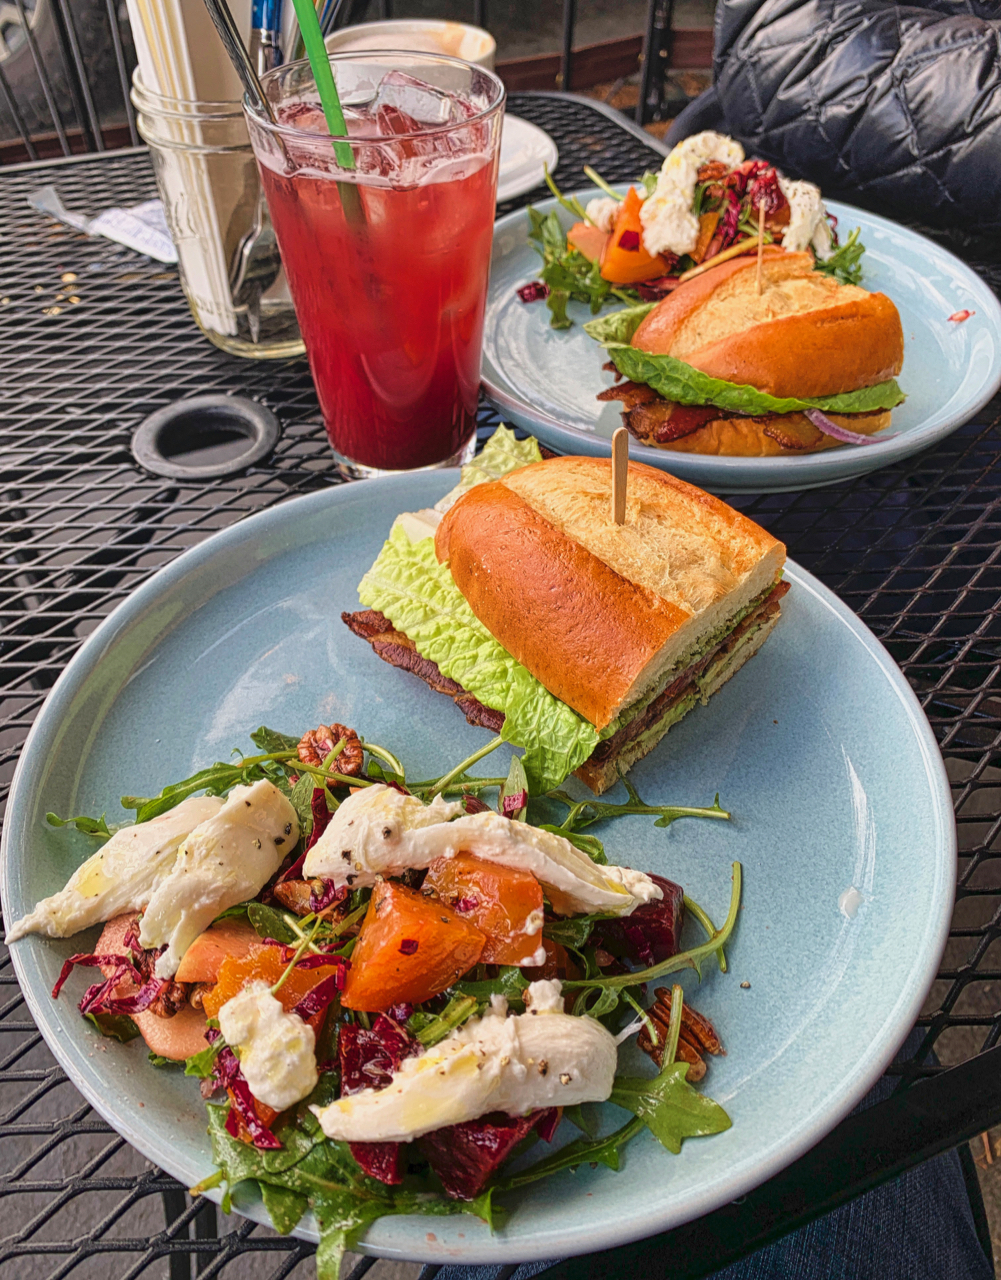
580	640
717	367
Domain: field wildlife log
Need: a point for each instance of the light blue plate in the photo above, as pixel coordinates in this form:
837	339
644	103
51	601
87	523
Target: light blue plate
818	747
546	379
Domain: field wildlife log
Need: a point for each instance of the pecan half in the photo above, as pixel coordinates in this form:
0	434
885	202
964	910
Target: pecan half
317	744
171	1000
294	894
697	1035
713	171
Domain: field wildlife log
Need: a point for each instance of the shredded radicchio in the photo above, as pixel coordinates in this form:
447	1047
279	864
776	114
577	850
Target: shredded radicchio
242	1108
286	952
93	961
321	816
630	241
322	994
533	292
823	423
473	804
730	222
654	290
328	895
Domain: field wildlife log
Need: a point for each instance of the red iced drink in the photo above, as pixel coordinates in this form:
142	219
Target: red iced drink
387	261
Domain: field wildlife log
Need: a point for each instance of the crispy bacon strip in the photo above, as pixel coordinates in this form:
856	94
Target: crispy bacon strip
399	651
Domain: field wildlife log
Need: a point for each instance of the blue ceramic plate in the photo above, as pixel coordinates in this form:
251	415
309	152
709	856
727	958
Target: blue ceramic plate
818	747
546	379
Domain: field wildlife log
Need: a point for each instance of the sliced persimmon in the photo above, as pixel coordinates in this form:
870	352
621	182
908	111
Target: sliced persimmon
505	904
410	947
588	240
624	259
202	960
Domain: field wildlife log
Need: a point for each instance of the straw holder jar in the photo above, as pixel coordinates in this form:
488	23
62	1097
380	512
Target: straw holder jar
211	193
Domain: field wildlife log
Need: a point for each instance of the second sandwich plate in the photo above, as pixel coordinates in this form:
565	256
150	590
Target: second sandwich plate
546	380
841	819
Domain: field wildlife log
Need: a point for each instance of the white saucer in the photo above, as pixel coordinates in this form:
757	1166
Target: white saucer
525	151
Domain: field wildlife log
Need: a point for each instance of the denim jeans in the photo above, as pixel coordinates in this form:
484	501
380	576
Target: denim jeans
918	1227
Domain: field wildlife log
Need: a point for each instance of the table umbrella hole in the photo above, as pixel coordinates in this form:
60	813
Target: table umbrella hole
205	437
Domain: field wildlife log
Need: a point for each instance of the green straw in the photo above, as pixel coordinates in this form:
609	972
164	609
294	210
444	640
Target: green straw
316	52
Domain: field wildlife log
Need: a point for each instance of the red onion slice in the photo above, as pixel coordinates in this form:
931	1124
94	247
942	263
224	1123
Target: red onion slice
823	423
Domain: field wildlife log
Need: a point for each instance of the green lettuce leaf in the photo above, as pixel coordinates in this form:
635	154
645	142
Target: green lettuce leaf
679	382
620	325
419	597
502	453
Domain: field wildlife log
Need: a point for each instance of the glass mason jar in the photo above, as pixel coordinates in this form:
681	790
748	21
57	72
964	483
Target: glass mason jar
386	236
229	264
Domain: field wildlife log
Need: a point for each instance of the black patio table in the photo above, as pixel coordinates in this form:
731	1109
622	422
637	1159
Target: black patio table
93	338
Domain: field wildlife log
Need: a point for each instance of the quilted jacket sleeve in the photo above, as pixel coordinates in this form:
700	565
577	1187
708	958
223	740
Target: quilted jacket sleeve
896	106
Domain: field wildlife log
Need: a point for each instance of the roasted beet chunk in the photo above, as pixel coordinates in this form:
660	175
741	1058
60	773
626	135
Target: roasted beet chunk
651	934
368	1060
466	1156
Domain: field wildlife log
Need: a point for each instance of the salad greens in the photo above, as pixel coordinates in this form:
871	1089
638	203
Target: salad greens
566	272
305	1170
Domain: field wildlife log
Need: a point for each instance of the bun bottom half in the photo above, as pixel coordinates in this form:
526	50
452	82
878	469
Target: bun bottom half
779	435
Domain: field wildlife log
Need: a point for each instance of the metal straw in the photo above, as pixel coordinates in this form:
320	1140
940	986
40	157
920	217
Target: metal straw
230	36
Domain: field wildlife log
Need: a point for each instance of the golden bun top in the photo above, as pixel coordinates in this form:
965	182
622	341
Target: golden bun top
804	335
598	612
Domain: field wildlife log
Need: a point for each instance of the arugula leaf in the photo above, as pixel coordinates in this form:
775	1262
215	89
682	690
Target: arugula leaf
649	181
590	845
116	1026
301	799
510	982
669	1107
418	595
270	923
271	741
161	1063
89	826
581	1151
845	262
200	1064
430	1029
216	780
620	325
572	931
565	270
680	382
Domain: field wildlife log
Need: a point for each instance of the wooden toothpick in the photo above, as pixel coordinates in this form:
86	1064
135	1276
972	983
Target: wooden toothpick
761	243
620	474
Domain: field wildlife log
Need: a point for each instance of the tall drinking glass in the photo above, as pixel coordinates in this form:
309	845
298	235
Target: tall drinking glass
385	235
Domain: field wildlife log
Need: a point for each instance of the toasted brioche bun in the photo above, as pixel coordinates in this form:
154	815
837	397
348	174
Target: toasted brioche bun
804	335
600	612
751	438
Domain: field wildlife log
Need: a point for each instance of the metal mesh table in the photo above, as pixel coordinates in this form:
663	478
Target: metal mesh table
94	338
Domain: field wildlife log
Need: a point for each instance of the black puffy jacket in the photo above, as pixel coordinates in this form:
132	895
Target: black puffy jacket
895	106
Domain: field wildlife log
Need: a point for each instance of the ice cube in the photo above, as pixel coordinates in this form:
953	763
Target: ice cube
422	103
307	116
